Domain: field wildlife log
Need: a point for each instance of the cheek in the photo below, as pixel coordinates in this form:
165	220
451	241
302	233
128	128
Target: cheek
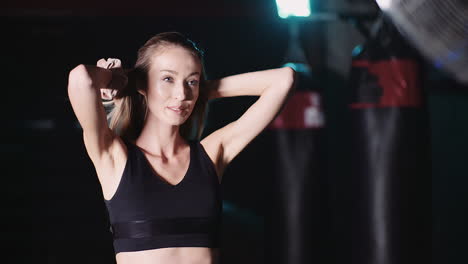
158	92
162	93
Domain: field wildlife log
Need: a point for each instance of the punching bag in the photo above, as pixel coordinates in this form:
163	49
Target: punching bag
296	223
391	170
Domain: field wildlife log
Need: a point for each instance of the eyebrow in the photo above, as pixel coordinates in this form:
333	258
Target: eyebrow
171	71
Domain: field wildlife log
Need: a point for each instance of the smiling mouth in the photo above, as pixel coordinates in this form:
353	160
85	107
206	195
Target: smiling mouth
177	110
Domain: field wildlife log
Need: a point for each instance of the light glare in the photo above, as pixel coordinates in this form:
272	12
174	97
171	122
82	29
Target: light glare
384	4
286	8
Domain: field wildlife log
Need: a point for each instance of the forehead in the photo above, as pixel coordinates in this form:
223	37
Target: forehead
174	58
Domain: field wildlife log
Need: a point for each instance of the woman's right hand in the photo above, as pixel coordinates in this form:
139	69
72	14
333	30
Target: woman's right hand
119	78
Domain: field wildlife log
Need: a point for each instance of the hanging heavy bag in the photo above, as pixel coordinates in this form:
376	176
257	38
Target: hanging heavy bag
391	172
297	221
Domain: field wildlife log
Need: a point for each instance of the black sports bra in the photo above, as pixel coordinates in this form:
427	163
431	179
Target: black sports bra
146	212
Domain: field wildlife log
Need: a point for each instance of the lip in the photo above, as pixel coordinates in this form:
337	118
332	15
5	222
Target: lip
176	109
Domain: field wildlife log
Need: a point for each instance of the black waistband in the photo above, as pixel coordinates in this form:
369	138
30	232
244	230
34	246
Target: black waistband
171	226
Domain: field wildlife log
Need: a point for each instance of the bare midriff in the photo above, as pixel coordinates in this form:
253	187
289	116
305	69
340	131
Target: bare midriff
176	255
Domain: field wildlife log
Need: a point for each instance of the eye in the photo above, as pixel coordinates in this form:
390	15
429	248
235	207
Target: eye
193	82
167	78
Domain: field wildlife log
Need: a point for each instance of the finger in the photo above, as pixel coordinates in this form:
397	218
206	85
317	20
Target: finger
114	63
118	63
102	63
110	64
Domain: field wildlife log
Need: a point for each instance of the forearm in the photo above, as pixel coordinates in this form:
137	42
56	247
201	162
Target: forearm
85	97
85	83
251	83
89	78
97	77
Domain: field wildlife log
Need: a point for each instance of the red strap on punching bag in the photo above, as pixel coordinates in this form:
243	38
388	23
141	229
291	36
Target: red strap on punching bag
302	111
399	80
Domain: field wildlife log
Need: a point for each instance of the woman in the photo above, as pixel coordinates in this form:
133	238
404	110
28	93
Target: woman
161	187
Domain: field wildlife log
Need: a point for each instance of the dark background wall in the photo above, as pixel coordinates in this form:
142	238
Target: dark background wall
52	195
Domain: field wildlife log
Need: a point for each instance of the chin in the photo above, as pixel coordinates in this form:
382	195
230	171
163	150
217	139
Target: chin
175	122
180	123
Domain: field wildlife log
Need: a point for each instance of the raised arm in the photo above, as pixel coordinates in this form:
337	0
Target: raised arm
84	83
250	83
273	86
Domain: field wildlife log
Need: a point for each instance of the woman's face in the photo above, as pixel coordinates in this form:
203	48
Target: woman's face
173	85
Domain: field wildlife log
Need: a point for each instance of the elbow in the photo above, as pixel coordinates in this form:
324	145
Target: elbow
77	72
78	77
290	77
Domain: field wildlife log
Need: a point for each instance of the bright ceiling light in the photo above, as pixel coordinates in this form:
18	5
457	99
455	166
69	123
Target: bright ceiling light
384	4
287	8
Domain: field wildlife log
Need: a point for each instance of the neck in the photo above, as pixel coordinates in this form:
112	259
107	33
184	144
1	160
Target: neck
160	139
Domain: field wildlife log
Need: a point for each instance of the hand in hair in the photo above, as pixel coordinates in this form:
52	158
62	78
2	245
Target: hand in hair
119	78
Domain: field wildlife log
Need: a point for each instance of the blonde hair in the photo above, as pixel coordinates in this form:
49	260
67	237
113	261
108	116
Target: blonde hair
129	108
